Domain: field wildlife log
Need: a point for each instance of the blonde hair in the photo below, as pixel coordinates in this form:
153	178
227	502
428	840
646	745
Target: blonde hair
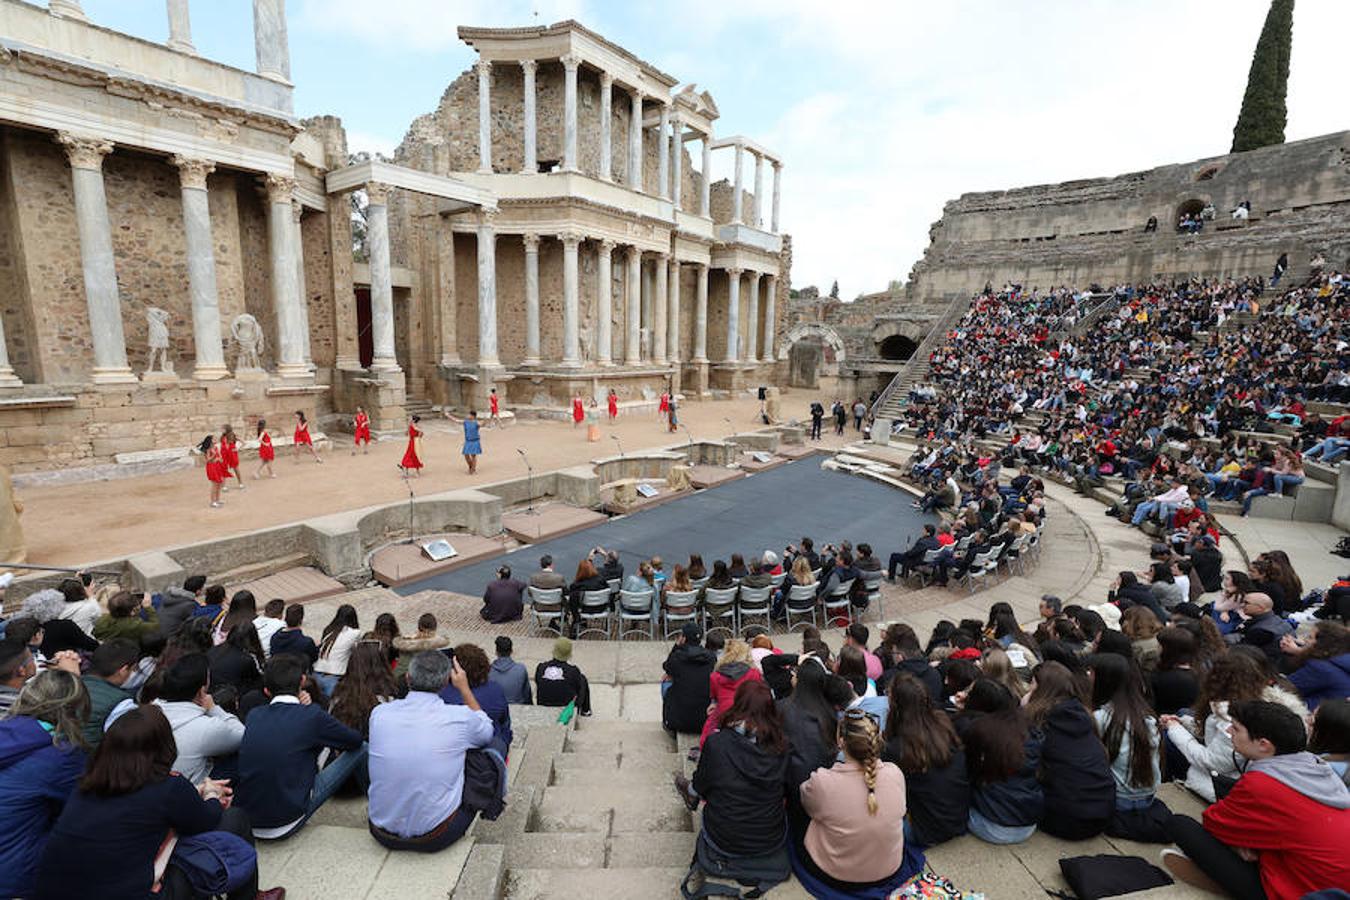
997	665
736	651
801	570
861	740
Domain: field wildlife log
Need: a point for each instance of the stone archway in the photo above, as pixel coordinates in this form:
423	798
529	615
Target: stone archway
896	347
812	351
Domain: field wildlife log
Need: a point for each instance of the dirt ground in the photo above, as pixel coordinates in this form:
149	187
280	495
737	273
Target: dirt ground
77	524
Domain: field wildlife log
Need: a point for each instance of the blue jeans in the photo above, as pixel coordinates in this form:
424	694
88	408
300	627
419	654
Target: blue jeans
1283	481
1143	511
1329	450
328	682
328	780
994	833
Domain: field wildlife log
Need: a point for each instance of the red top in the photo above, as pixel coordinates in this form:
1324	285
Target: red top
229	453
944	539
613	405
215	465
578	413
302	434
493	401
410	457
265	451
723	692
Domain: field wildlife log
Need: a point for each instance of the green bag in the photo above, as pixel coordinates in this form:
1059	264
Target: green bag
567	713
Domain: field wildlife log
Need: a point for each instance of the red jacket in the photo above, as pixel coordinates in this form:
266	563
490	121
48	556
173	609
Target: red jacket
1302	833
722	684
1184	517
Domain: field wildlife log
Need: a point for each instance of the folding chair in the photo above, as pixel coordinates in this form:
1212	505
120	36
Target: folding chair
595	607
801	601
636	606
719	605
546	604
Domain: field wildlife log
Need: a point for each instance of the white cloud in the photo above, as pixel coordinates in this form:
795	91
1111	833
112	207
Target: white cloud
427	24
358	141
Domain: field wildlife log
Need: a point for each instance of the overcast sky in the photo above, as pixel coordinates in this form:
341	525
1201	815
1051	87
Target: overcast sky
882	111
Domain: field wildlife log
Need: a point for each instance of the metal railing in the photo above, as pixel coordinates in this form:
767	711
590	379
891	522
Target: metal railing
955	309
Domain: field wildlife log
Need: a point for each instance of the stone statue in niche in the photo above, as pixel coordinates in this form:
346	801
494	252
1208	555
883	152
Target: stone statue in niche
158	322
248	336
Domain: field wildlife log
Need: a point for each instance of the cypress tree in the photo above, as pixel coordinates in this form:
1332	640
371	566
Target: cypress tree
1261	121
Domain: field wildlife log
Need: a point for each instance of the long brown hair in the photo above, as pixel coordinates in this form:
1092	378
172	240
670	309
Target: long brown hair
1233	676
1139	623
927	740
1331	639
137	749
1055	685
585	569
754	709
996	738
367	684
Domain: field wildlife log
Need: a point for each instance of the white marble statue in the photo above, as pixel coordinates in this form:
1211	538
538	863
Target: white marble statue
158	322
248	335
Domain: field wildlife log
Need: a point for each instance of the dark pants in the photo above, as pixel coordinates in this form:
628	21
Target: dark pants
815	428
176	885
1239	879
438	838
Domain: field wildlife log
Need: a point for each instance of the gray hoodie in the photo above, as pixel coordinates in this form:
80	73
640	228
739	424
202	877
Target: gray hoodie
1308	774
175	607
513	678
201	736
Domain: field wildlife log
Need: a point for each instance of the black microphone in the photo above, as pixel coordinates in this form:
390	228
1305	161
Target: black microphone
520	451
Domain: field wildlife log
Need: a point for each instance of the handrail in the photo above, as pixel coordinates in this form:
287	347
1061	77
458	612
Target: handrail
939	330
1096	313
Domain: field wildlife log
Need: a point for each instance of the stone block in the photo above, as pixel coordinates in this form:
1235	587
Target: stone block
154	572
482	875
423	875
113	446
881	431
327	861
579	486
1313	501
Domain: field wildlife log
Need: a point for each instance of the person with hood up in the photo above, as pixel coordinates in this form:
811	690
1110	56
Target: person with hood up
1080	792
685	686
1282	831
557	682
512	677
178	604
901	654
733	668
42	757
202	731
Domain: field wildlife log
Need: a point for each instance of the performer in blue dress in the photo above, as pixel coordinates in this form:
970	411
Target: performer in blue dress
472	446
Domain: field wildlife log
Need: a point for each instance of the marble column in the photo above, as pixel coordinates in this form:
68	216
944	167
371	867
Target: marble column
297	213
632	343
770	314
570	63
532	357
663	153
677	162
449	307
757	220
736	200
705	179
67	9
604	304
645	321
673	316
96	258
487	289
635	143
269	39
660	303
531	162
381	279
777	188
752	326
701	315
7	377
201	268
733	313
484	68
606	122
285	291
180	27
571	241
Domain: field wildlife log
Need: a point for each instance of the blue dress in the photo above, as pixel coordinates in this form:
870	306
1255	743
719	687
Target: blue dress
471	445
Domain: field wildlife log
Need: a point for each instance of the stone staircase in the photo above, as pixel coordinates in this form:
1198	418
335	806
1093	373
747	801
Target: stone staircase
894	398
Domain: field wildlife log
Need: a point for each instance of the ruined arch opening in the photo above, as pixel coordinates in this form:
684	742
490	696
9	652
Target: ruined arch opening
896	347
1190	207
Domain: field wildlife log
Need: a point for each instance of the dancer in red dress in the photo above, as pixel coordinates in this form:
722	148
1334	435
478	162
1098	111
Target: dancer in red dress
266	452
229	455
411	460
215	468
663	409
361	428
302	438
613	405
578	410
494	409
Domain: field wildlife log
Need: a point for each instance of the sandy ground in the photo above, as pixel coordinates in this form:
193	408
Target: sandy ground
76	524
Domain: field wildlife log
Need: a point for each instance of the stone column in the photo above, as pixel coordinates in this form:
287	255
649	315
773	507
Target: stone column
777	186
445	273
381	279
752	327
487	289
660	303
571	241
645	321
96	258
7	377
677	163
632	343
297	213
758	218
705	179
733	313
269	39
663	153
701	315
531	299
285	291
635	143
180	27
67	9
570	63
604	304
673	317
736	201
770	314
606	121
201	266
484	68
531	163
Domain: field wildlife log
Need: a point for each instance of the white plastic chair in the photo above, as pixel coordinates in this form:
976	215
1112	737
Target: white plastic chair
636	606
546	604
872	583
801	601
836	602
754	603
595	607
680	607
719	605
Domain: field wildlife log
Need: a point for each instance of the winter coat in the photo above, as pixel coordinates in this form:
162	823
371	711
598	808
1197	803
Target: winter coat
1323	679
742	786
176	606
722	684
684	709
1017	800
103	697
37	776
939	799
1214	754
201	736
513	678
1079	789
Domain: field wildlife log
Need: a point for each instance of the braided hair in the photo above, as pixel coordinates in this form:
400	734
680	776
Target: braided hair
860	739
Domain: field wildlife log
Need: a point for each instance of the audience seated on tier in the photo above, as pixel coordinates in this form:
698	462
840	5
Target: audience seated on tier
503	601
558	683
509	675
291	639
546	579
685	692
491	698
204	733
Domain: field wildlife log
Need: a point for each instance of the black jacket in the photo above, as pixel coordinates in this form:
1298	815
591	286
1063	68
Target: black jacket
1207	565
777	669
684	709
938	800
1017	800
278	759
1139	594
742	785
1174	690
1075	772
808	750
63	634
176	606
921	671
296	643
558	683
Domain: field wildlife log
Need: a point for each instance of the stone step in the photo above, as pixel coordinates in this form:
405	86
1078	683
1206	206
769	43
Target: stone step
1317	471
538	850
605	809
606	737
595	884
636	769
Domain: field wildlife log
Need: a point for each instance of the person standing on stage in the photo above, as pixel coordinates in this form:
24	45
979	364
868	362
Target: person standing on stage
412	460
613	405
494	408
215	468
302	438
472	445
229	455
578	410
663	408
672	415
266	452
361	431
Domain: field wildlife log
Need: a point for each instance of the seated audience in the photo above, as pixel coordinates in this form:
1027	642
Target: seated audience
426	638
368	683
1080	792
509	675
491	699
1320	669
1233	678
109	668
546	579
1174	683
684	687
557	682
1003	752
1130	732
202	731
504	599
269	623
290	639
177	605
921	740
335	647
129	616
733	668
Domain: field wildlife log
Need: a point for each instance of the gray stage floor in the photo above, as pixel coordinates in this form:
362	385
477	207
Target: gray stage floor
750	515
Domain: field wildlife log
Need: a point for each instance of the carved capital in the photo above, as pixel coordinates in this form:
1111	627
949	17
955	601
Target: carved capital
660	256
192	172
279	187
607	246
484	67
570	61
84	152
606	81
529	66
297	210
735	273
638	97
487	218
531	242
572	237
377	193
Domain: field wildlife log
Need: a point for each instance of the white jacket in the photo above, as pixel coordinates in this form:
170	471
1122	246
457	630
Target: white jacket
1214	755
201	736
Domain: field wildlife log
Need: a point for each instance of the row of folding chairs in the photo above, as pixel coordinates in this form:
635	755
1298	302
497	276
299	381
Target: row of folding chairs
985	566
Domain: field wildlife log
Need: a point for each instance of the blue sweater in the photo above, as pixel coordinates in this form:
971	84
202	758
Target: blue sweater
492	699
36	779
1323	679
279	757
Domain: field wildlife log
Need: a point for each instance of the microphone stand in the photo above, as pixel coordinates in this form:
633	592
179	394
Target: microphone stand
407	482
529	482
616	440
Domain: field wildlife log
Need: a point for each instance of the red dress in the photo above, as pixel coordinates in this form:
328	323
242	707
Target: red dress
613	406
265	451
665	403
410	458
362	428
302	435
578	412
229	454
494	402
215	466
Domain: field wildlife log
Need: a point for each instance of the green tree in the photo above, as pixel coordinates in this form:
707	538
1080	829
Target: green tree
1262	119
834	291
